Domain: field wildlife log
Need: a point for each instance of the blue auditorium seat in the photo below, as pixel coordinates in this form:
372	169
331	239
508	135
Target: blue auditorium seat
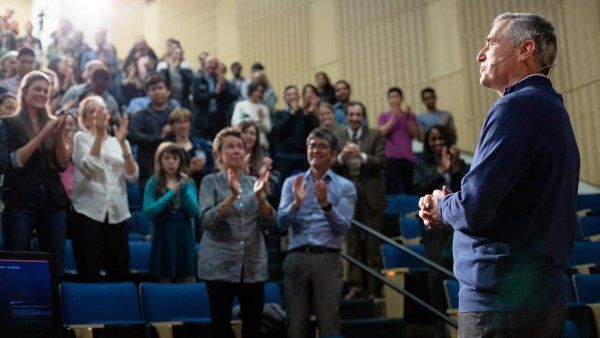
273	293
401	204
175	302
451	288
569	290
134	196
590	226
139	256
588	201
585	252
587	288
100	303
410	230
70	266
140	224
570	330
394	258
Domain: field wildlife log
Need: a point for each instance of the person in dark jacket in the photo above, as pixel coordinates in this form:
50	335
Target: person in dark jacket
291	127
34	197
440	166
212	96
149	127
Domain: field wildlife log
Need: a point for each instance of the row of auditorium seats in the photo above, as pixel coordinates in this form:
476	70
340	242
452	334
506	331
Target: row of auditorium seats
171	308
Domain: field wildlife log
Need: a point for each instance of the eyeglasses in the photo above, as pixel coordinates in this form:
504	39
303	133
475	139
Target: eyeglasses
318	146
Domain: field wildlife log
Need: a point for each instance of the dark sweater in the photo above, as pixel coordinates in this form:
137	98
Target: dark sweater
291	130
514	217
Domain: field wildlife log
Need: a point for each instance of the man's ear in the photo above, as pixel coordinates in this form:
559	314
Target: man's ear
526	50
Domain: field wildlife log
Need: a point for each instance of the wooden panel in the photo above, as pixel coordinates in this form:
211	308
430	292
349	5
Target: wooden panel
382	43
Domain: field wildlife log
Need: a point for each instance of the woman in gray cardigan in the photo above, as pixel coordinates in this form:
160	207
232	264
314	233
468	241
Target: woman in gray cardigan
233	259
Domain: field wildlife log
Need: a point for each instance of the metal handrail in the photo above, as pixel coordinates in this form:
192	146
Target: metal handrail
395	286
404	249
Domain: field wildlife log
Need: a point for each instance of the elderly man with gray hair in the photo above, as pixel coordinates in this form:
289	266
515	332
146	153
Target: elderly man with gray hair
513	218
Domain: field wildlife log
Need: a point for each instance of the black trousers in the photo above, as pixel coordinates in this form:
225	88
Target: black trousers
399	176
100	244
547	323
251	297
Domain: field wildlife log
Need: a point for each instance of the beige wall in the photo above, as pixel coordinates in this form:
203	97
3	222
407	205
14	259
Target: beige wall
380	43
22	11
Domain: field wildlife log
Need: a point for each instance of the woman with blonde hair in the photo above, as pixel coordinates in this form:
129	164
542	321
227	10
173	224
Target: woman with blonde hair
103	165
233	259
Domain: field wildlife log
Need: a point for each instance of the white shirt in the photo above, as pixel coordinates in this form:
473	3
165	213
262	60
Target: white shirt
100	186
248	111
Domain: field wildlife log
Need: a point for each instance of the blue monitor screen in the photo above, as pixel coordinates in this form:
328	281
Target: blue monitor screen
27	298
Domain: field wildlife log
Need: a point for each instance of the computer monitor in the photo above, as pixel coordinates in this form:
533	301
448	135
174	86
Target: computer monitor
29	303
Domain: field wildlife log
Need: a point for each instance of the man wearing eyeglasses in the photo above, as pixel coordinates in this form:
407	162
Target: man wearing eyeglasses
317	206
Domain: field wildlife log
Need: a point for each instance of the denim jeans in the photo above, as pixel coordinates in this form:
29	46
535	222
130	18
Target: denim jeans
547	323
49	221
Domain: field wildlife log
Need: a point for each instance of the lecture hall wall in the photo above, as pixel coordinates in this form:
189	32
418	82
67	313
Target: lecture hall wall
376	44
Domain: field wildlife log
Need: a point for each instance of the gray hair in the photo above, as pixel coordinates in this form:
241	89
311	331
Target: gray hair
524	26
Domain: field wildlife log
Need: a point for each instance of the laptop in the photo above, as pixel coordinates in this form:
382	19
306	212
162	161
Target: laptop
29	303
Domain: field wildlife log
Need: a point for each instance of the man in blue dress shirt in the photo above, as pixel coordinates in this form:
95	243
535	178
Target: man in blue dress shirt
514	217
318	206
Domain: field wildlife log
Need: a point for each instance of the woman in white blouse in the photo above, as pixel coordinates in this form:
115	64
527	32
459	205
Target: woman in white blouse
103	164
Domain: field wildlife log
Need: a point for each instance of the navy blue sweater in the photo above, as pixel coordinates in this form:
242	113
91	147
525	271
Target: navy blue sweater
514	217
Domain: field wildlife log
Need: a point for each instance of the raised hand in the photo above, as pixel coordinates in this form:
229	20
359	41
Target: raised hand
100	121
261	114
261	186
121	131
174	185
166	131
445	161
234	183
321	192
299	190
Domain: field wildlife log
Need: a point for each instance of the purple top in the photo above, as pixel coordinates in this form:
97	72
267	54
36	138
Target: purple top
398	143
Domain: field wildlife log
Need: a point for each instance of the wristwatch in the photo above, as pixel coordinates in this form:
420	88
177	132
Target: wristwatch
327	207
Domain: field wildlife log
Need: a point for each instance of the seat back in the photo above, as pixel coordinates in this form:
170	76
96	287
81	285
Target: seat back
273	293
585	253
394	258
590	226
175	302
451	289
139	256
568	289
588	201
401	204
70	266
134	196
100	303
570	330
587	288
410	228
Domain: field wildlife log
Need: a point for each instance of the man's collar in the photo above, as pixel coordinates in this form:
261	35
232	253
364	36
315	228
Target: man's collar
529	80
327	177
